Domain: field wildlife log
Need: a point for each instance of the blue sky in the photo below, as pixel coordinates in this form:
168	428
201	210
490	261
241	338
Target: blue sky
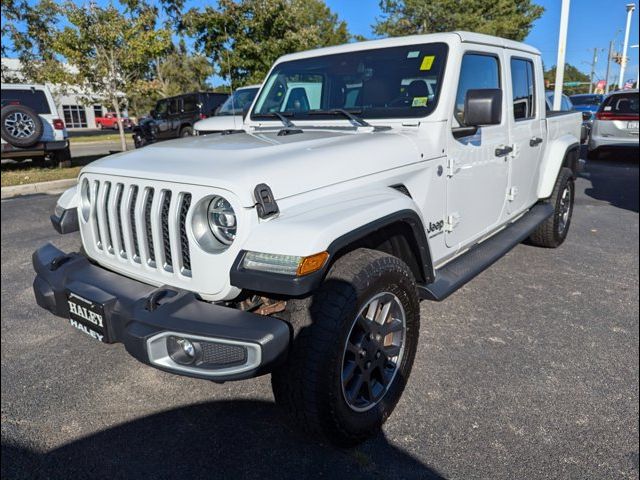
592	24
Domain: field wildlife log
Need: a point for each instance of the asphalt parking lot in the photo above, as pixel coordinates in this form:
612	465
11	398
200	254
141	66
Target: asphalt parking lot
530	371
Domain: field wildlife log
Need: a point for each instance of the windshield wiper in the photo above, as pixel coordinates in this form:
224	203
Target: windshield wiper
289	127
357	121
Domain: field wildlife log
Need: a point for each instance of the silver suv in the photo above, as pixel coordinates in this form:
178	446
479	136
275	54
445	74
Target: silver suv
31	127
616	123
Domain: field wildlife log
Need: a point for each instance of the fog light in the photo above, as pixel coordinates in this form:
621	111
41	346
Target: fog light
182	350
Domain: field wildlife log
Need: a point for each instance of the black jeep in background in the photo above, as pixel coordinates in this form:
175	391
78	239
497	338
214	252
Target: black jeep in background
174	117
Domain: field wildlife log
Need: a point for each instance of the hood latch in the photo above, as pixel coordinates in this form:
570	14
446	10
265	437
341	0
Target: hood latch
265	202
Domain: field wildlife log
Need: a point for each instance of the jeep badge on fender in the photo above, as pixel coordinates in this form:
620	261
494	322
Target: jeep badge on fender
364	178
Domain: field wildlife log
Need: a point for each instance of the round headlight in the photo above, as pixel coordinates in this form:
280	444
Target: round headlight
222	220
85	199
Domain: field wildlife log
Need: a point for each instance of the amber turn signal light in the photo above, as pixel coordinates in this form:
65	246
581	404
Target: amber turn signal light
312	264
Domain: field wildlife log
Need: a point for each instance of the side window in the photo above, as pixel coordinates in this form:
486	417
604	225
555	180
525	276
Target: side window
477	71
522	82
162	108
189	104
174	106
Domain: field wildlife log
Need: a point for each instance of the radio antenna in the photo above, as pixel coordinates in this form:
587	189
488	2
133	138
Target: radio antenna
233	106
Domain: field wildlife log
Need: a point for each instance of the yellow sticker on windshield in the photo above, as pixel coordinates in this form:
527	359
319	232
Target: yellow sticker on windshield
427	62
419	101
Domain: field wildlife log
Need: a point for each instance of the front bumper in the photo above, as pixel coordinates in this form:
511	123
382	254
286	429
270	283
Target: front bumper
137	314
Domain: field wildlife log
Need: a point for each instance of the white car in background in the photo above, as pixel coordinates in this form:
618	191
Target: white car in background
616	123
229	116
30	124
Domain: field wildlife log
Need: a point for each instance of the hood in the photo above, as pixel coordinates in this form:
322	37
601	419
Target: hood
289	164
219	123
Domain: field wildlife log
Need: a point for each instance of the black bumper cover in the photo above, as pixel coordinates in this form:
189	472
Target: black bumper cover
132	318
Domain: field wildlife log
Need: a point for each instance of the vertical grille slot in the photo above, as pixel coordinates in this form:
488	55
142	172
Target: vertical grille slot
95	191
184	240
132	219
164	224
147	222
118	222
102	205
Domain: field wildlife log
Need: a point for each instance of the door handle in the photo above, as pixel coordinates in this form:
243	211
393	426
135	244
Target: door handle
535	141
503	151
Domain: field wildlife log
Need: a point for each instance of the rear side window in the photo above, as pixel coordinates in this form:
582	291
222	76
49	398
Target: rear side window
477	72
189	104
621	103
35	99
522	83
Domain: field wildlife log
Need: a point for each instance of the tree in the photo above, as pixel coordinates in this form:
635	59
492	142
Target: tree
511	19
245	37
571	74
110	50
175	72
28	29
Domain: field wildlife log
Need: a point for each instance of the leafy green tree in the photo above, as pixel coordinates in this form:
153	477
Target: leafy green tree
511	19
175	72
244	37
571	74
28	29
110	50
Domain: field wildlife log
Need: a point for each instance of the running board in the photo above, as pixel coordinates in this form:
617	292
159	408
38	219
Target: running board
459	271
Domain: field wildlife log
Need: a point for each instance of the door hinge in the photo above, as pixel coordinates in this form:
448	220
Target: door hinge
451	222
452	169
512	194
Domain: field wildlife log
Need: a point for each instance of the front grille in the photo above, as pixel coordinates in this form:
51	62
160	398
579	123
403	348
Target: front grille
143	225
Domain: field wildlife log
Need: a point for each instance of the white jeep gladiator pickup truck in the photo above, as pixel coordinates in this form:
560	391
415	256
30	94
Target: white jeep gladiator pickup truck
365	178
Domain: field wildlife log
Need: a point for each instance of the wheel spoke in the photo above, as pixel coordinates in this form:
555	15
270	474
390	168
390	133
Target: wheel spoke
383	313
391	351
354	390
348	372
373	308
391	326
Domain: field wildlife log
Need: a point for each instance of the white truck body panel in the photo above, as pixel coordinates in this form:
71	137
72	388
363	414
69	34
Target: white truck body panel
334	178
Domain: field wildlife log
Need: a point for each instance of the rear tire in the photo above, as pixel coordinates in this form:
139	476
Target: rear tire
186	132
553	231
20	125
332	353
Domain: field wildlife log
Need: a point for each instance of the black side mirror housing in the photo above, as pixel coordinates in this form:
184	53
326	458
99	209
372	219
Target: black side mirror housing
483	107
586	116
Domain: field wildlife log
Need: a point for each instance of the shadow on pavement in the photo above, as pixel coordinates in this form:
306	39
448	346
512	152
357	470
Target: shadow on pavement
238	439
614	179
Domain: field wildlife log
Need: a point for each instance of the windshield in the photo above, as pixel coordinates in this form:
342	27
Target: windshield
238	101
393	82
581	100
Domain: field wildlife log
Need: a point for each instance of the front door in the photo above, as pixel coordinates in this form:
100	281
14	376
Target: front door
527	133
478	168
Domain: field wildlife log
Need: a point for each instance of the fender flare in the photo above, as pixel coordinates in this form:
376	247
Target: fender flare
554	160
279	284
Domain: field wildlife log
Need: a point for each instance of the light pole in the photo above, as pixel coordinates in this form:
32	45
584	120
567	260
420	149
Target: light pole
606	78
623	62
562	51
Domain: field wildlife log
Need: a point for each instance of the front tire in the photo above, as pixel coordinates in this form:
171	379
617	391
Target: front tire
354	342
186	132
553	231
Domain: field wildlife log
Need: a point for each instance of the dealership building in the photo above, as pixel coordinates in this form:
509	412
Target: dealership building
73	107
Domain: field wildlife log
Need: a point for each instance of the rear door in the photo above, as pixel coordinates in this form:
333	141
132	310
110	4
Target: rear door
162	119
478	172
526	129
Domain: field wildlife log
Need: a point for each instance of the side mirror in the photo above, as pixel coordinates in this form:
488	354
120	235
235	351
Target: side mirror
483	107
152	114
586	116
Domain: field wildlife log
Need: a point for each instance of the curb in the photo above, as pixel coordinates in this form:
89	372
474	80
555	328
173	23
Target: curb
54	186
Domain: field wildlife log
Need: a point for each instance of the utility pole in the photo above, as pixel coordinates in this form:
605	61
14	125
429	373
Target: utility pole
593	69
562	51
623	62
606	78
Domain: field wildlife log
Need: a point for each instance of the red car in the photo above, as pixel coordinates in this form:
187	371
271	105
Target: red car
109	121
